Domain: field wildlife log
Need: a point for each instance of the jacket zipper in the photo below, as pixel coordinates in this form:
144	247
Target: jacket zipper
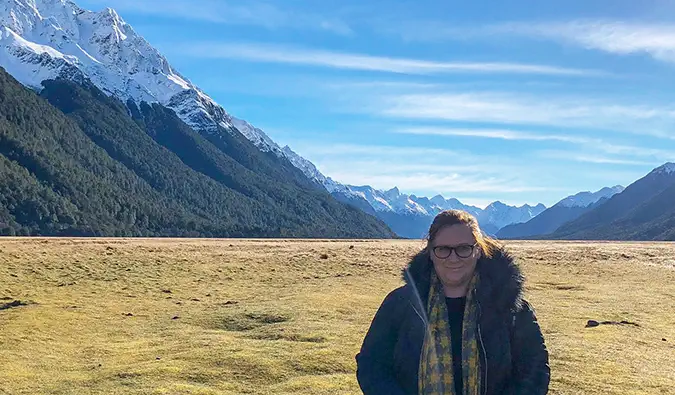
482	345
418	314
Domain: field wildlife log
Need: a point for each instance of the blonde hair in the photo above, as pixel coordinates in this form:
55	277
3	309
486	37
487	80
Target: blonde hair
487	244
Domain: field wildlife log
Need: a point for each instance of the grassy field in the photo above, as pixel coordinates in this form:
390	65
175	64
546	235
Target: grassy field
112	316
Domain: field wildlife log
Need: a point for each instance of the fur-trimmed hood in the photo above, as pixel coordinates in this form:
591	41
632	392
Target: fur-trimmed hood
501	281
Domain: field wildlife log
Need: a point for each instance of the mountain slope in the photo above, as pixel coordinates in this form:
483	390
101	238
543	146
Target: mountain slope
568	209
643	211
44	39
212	196
49	39
56	181
585	199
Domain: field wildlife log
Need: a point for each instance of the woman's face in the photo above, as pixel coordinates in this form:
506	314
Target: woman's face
455	268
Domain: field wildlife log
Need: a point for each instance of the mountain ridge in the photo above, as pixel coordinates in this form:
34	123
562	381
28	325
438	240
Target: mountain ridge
565	210
642	211
79	164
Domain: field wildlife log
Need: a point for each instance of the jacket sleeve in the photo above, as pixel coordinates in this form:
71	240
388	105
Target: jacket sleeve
375	372
532	372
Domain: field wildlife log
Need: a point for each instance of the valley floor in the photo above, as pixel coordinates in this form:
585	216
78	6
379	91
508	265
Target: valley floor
158	316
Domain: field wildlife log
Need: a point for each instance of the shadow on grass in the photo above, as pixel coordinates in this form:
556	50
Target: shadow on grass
16	303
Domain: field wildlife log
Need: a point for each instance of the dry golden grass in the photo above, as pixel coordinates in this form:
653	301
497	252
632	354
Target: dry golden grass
114	316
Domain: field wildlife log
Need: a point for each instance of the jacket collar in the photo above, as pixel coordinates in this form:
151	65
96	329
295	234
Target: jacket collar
501	281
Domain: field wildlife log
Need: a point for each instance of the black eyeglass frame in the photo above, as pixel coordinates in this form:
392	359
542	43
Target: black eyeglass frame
454	248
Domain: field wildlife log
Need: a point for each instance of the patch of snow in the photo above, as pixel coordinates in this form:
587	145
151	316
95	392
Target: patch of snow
105	49
257	136
501	215
13	39
668	168
374	197
587	198
179	81
438	203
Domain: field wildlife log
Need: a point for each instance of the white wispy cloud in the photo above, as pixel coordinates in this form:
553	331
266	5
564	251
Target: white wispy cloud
619	37
502	134
256	52
524	109
612	36
657	154
593	158
588	143
254	13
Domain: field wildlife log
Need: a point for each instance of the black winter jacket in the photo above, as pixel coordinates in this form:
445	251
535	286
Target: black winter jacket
514	358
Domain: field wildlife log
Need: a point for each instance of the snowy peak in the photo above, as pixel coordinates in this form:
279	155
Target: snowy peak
438	200
393	193
59	39
46	39
438	203
101	44
587	198
24	16
501	215
49	39
668	168
374	197
394	201
391	201
496	206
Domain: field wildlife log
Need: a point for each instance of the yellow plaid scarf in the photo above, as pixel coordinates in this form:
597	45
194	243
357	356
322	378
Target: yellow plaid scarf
436	373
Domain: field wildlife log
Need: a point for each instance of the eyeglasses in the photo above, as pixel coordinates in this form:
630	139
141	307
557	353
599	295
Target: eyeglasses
462	251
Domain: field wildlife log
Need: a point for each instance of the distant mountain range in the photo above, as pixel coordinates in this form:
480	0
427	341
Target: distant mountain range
147	127
568	209
645	210
410	216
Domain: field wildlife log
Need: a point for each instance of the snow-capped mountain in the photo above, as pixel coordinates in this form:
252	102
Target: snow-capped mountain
393	200
377	199
668	168
46	39
438	203
566	210
642	211
410	215
585	199
313	173
498	215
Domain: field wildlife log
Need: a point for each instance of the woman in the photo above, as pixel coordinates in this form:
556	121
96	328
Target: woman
459	325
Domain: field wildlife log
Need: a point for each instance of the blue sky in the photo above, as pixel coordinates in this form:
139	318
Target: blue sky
517	101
